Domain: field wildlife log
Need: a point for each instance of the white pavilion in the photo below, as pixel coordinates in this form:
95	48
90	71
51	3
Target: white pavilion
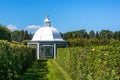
47	39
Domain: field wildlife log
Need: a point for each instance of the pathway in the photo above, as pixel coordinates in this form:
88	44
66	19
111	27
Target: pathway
45	70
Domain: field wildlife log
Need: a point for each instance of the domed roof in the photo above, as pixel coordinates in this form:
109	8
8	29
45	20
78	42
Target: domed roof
47	33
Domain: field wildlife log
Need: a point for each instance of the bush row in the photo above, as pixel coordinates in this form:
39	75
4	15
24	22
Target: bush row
89	42
14	60
91	63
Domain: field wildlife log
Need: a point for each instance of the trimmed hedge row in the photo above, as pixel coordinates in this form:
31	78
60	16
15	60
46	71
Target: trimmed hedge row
91	63
14	60
90	42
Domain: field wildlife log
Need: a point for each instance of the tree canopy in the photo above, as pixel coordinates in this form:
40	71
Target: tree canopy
83	38
82	34
75	38
19	36
5	33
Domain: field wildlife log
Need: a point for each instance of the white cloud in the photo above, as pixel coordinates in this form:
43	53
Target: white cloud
12	27
32	27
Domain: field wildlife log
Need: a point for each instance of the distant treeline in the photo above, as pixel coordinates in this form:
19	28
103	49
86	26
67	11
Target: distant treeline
82	34
82	38
18	36
74	38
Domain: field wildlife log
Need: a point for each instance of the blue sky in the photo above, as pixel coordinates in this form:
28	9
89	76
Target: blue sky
65	15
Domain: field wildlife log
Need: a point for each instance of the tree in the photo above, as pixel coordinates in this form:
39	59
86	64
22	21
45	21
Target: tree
5	33
21	35
106	34
30	36
97	35
16	36
116	35
92	34
27	37
82	34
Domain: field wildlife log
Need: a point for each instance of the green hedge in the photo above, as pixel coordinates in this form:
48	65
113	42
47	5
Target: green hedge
90	42
14	60
91	63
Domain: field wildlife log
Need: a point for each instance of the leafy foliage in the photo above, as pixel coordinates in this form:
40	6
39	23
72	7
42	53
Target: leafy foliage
18	36
82	38
21	35
82	34
91	42
91	63
5	33
14	60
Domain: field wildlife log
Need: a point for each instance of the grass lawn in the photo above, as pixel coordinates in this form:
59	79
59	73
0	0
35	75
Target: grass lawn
37	71
45	70
56	72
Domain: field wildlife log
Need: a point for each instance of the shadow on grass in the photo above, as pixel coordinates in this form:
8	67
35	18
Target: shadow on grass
37	71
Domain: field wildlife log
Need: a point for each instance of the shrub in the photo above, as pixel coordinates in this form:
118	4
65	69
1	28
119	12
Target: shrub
14	60
91	63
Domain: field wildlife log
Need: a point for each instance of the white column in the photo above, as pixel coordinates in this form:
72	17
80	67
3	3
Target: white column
28	44
37	50
54	51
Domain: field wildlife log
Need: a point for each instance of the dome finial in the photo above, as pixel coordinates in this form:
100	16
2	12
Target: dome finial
47	22
47	16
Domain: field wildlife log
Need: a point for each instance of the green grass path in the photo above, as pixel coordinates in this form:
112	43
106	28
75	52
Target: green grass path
56	72
45	70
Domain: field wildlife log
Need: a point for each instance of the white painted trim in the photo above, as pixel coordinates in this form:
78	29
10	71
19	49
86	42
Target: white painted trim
47	45
38	51
54	51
